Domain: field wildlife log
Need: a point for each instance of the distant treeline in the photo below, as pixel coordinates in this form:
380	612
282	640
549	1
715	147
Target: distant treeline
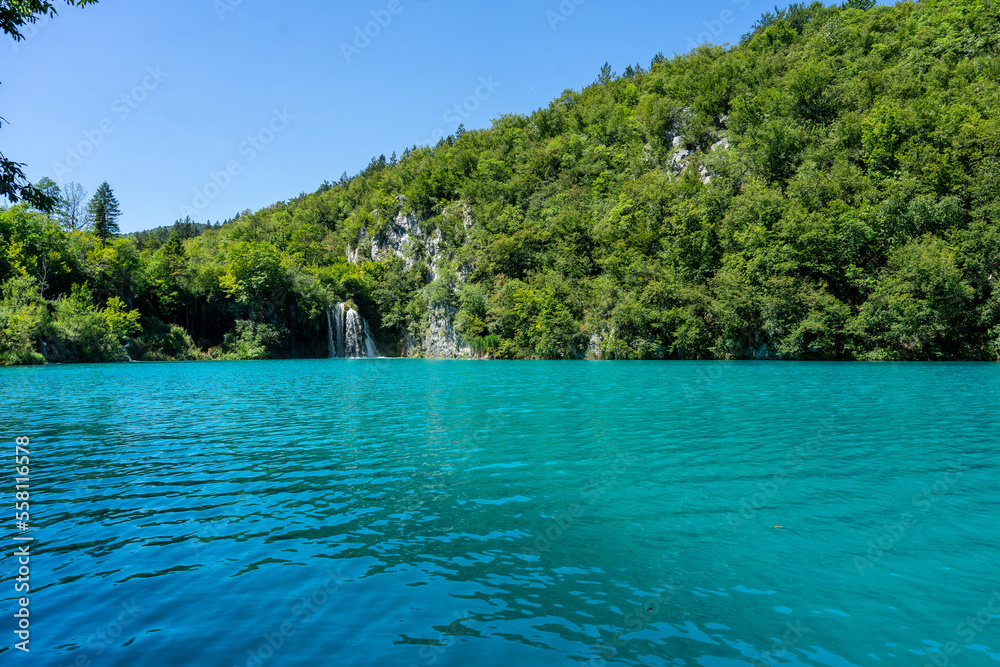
183	229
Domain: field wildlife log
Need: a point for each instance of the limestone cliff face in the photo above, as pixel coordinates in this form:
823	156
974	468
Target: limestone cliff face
410	238
442	341
404	238
681	156
595	346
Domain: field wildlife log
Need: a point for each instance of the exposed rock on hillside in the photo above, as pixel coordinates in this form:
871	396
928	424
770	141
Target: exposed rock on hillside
404	237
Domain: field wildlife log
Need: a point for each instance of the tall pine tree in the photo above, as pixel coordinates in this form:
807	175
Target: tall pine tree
103	213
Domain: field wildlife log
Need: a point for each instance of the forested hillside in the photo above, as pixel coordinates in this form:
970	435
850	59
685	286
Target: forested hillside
829	188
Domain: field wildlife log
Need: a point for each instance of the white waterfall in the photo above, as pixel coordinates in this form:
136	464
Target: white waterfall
352	334
331	339
370	350
349	334
339	322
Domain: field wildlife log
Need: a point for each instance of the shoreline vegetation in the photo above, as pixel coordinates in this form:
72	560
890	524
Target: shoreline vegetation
826	189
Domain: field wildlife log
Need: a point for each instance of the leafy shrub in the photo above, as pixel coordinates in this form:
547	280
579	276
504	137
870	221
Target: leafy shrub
252	340
164	342
24	318
83	332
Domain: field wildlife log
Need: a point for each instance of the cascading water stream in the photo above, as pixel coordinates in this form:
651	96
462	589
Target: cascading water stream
339	322
332	340
349	335
352	334
370	350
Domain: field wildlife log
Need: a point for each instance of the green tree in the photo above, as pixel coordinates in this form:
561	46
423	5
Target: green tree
168	268
121	322
919	304
51	191
103	213
23	317
33	245
253	273
84	332
252	340
606	75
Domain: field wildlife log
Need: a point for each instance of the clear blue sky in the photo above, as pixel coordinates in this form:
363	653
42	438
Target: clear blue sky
157	96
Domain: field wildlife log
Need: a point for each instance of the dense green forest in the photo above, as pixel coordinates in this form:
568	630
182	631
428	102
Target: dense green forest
828	188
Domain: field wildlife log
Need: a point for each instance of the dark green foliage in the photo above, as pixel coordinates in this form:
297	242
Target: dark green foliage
252	340
103	213
182	230
163	342
919	308
827	189
23	320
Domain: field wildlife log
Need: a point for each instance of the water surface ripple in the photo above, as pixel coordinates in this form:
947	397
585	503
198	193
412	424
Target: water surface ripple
418	513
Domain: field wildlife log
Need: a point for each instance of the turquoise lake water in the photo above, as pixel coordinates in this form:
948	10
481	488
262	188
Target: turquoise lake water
418	513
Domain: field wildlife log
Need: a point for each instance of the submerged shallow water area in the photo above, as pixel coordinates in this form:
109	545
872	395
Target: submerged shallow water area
418	513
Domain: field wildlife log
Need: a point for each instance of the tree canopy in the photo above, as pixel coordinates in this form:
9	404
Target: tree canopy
828	188
103	213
